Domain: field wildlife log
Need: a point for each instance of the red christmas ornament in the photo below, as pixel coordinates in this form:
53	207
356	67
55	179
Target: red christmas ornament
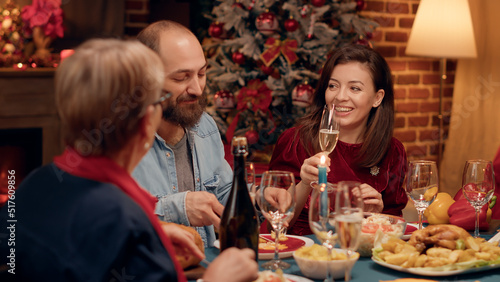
335	23
291	24
267	23
318	3
252	136
238	58
216	29
267	70
360	5
224	101
302	95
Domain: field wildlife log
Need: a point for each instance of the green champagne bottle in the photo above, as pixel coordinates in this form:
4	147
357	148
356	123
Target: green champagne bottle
239	226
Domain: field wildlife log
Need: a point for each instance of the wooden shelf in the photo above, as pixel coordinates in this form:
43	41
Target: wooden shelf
29	72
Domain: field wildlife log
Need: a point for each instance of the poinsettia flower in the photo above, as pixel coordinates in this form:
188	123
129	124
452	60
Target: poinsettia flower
27	12
39	19
46	14
51	4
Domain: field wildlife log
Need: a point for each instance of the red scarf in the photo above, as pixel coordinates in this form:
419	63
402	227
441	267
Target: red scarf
103	169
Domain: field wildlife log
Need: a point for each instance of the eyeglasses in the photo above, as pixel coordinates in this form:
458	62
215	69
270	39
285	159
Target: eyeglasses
164	96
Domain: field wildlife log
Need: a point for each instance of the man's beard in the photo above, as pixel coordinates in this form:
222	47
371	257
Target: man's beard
187	115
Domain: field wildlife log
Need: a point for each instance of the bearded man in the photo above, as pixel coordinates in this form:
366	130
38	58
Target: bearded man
185	168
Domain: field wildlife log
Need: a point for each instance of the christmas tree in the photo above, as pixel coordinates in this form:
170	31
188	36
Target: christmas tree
265	57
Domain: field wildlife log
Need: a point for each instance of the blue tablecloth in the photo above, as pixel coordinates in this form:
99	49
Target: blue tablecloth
366	270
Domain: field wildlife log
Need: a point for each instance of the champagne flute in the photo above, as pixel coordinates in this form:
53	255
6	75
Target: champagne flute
478	185
348	219
250	176
277	202
328	130
422	185
322	217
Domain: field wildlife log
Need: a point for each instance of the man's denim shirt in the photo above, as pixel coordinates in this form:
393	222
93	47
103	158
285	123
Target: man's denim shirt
157	174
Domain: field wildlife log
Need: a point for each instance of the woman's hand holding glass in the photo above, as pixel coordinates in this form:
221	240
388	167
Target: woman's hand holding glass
478	185
276	199
348	218
422	185
329	129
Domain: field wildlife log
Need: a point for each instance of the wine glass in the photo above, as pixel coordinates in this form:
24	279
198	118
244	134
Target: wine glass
422	185
328	130
348	219
277	202
250	176
322	217
478	185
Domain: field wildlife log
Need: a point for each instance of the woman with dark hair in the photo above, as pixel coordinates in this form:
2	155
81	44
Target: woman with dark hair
357	81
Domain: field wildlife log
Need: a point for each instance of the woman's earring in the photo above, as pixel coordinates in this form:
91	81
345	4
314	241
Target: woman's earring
146	145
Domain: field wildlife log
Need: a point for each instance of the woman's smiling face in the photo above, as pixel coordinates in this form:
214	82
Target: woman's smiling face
352	91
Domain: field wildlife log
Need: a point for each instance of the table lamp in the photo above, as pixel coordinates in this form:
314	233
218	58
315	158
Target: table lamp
442	29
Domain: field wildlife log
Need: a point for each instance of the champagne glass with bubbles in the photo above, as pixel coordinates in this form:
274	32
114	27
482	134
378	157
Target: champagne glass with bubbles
422	185
348	219
276	200
328	129
478	185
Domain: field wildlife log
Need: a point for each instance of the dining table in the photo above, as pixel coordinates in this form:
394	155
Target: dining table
366	270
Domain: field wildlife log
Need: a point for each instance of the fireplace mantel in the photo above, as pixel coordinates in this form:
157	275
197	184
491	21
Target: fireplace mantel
27	101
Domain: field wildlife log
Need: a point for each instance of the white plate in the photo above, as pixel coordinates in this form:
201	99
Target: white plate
296	278
407	236
283	253
431	272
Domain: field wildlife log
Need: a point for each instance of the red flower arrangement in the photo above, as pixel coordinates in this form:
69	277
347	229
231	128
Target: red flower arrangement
45	14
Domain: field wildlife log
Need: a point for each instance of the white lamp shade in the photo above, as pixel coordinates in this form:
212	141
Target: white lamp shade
442	29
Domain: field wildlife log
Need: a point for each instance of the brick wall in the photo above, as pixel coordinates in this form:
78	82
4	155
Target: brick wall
136	16
416	80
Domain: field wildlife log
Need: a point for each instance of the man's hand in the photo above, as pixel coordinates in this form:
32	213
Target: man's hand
203	209
278	197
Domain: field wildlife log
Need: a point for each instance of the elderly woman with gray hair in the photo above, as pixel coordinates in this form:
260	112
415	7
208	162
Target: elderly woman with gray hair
83	217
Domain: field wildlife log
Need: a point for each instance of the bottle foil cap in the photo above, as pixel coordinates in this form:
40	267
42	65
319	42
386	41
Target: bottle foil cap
239	145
